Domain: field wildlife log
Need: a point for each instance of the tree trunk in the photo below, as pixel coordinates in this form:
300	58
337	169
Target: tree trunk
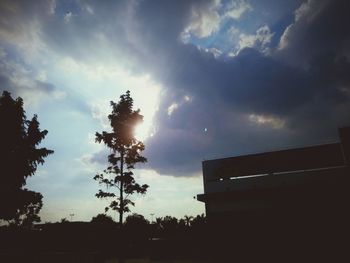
121	211
121	258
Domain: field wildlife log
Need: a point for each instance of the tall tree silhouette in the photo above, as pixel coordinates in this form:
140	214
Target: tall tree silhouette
126	152
19	158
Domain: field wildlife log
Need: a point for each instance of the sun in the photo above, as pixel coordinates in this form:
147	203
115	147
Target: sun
144	130
141	131
146	95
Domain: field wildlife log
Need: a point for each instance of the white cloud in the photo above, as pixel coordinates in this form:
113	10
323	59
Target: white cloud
284	38
19	29
67	17
41	75
175	105
99	111
273	122
260	40
206	17
237	8
89	9
26	82
302	10
233	32
205	20
172	108
215	51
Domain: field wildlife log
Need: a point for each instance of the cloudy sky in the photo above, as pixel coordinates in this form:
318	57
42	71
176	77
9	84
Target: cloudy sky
212	79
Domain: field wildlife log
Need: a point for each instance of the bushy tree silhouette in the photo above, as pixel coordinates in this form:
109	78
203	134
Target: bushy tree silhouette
136	220
102	219
137	227
125	154
19	159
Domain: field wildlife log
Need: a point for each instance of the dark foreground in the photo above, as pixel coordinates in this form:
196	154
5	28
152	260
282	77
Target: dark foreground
255	241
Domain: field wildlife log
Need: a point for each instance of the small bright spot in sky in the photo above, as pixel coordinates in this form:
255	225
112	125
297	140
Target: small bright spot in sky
187	98
205	129
172	107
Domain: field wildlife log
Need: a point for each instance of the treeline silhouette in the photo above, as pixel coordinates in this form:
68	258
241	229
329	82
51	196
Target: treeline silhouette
245	236
166	237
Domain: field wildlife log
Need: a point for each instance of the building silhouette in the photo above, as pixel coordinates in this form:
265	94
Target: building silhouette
301	187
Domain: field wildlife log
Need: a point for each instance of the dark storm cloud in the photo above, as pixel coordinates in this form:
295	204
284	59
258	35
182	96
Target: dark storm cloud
311	101
320	29
318	42
249	82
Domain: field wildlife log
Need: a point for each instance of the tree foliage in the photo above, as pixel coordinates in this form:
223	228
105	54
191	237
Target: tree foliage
136	220
125	153
19	159
102	219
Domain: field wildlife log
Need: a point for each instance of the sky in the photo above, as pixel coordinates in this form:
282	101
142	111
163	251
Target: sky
212	79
